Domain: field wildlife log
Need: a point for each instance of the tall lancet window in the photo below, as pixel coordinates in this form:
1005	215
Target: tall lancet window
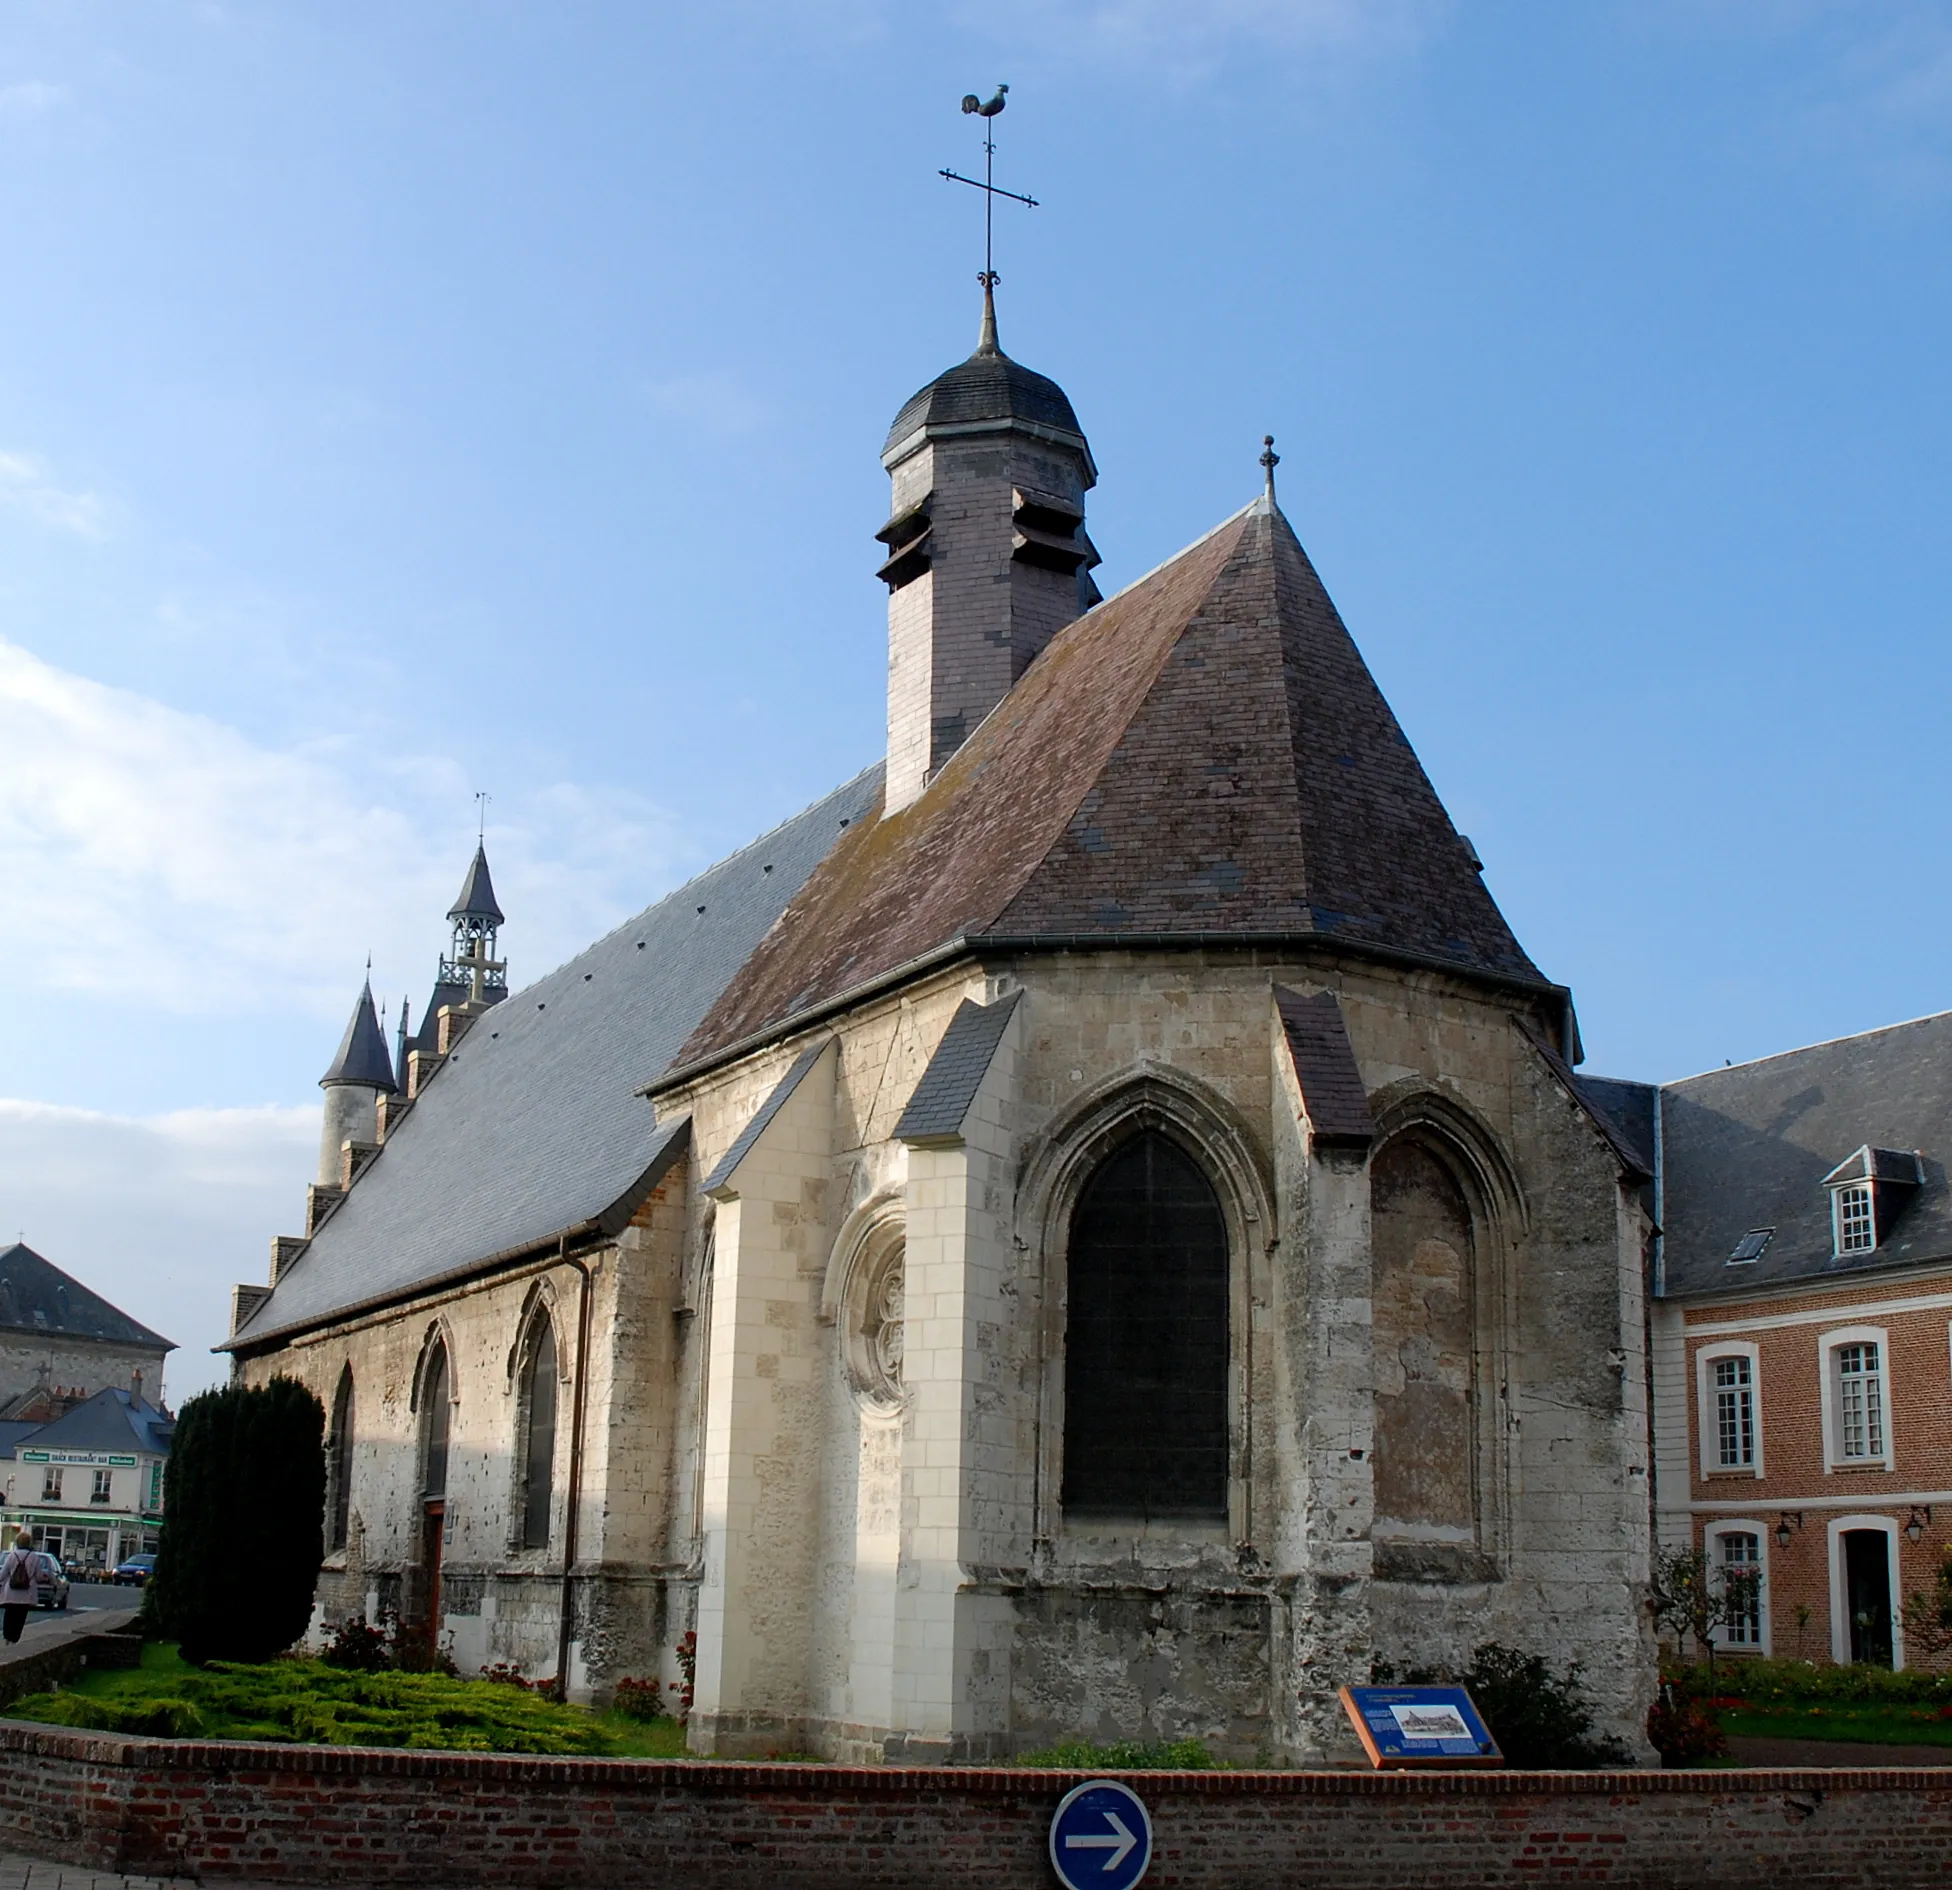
538	1433
435	1413
338	1465
1146	1340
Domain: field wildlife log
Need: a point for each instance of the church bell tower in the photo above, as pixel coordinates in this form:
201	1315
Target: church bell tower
987	557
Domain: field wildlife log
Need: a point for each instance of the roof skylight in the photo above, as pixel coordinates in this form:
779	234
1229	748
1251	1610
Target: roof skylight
1749	1248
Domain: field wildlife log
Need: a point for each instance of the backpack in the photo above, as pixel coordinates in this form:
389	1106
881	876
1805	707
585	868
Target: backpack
23	1574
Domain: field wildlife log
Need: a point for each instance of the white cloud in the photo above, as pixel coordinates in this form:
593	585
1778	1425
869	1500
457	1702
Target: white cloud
32	98
164	856
26	487
161	1215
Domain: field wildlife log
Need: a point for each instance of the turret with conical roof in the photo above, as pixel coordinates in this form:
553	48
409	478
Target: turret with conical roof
359	1076
471	965
987	553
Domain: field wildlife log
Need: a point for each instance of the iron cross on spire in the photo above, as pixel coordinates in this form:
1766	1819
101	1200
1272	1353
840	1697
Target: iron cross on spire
986	110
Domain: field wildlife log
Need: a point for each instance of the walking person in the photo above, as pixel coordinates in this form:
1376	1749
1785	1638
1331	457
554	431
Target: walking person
16	1585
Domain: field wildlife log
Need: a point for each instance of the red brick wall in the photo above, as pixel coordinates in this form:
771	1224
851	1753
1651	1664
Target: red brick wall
1918	1414
281	1814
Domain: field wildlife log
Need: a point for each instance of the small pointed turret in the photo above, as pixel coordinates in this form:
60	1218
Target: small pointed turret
471	964
360	1075
477	900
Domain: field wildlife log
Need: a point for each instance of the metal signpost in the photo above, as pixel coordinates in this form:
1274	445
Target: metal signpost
1101	1838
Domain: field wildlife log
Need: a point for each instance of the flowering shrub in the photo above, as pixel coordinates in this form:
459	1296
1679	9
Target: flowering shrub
687	1652
1683	1732
639	1699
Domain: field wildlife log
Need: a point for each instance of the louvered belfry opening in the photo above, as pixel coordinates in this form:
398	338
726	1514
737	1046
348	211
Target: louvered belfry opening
1146	1340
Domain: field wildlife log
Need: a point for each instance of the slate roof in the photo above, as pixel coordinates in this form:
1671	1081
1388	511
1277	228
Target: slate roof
15	1432
37	1297
477	895
362	1054
111	1420
763	1115
1325	1067
1203	756
940	1102
533	1125
1749	1147
989	386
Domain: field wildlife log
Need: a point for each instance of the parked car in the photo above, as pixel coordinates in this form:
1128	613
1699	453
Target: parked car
134	1572
50	1582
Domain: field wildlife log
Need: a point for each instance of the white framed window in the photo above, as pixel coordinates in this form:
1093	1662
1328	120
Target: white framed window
1853	1215
51	1484
1737	1547
104	1487
1728	1405
1856	1398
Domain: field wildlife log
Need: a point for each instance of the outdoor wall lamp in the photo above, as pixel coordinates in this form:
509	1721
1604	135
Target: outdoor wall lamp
1921	1515
1791	1521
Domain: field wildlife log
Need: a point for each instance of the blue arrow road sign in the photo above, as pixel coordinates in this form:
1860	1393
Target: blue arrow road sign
1101	1838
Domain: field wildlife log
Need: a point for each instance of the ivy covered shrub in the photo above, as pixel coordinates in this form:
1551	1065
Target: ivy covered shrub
245	1533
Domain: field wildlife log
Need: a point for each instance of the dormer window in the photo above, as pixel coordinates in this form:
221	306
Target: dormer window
1856	1219
1867	1194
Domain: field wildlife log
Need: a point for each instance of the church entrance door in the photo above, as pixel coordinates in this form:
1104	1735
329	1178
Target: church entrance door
433	1528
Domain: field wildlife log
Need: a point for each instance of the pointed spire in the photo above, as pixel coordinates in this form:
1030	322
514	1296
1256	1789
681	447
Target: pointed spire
986	335
477	897
362	1057
1269	460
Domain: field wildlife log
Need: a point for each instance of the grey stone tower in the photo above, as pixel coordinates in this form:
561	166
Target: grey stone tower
987	553
360	1075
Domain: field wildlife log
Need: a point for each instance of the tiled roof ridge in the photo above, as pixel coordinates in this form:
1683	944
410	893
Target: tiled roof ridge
1804	1049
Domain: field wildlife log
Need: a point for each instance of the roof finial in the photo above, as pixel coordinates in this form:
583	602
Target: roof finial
1269	460
481	801
986	110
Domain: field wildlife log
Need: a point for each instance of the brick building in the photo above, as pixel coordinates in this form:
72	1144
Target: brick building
1802	1329
1089	1229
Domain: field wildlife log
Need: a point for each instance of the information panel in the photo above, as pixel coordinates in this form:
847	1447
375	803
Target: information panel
1419	1726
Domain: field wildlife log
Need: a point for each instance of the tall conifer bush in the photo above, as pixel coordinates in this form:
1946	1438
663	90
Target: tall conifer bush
244	1530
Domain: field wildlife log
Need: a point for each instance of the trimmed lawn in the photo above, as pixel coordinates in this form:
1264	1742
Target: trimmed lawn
1881	1725
307	1702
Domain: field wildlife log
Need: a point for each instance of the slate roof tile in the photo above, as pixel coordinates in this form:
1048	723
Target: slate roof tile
940	1103
1203	754
534	1125
1325	1066
1750	1146
37	1297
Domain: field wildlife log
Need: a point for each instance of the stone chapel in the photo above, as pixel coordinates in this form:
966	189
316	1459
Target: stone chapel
1088	1230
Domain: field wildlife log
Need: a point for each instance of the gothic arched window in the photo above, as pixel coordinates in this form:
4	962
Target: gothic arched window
1425	1331
1146	1339
434	1417
538	1412
338	1465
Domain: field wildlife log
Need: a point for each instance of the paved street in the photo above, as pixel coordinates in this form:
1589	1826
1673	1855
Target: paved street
84	1599
33	1873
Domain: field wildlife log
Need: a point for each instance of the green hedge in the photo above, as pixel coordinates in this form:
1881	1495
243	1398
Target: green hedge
1802	1683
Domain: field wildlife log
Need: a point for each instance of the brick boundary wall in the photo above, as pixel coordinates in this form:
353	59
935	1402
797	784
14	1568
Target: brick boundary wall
298	1814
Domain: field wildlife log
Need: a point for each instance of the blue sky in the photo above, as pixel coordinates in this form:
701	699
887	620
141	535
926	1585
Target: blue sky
403	400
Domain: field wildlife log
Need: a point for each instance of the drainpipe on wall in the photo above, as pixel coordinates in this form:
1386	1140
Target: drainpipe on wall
575	1494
